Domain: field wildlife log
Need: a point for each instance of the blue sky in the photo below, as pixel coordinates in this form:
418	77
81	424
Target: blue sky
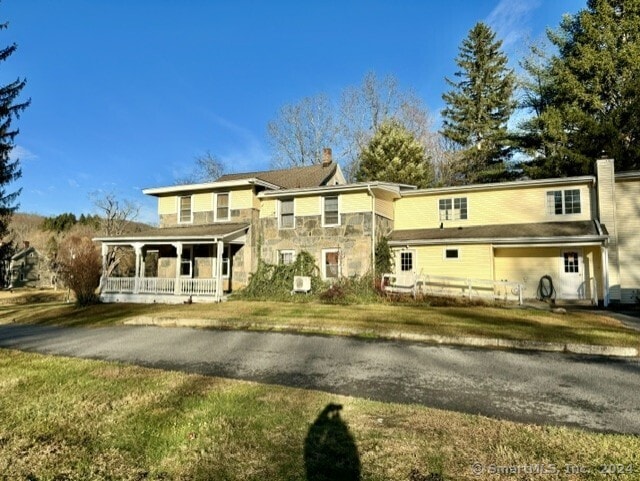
125	93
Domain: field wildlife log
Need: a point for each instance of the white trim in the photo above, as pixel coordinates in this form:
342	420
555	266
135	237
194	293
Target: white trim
324	264
328	189
502	185
215	206
278	207
322	209
176	189
456	249
414	260
279	253
507	242
179	199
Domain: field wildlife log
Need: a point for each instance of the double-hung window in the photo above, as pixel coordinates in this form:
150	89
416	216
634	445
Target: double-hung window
287	219
453	209
330	211
561	202
222	207
184	209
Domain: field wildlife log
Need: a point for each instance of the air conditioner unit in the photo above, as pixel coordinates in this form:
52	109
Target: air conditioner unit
301	284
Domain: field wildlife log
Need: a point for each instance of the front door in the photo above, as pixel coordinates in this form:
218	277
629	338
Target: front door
571	275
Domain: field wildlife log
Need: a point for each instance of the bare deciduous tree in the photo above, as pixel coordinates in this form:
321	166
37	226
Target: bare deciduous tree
301	130
117	218
207	169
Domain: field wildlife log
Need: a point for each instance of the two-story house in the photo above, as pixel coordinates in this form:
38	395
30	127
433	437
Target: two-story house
579	231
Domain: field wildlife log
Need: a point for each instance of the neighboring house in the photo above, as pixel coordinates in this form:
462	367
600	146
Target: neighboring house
580	231
29	268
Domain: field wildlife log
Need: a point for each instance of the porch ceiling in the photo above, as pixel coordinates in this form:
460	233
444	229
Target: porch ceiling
209	232
534	232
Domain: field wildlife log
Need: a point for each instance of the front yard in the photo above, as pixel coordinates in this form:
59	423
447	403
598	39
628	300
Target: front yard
69	419
367	320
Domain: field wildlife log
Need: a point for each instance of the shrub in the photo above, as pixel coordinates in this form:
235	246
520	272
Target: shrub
80	268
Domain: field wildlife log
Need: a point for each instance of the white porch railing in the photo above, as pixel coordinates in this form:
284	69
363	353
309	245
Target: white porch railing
157	285
452	286
198	287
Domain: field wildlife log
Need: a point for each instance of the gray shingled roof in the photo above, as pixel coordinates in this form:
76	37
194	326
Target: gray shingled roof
292	178
497	232
199	231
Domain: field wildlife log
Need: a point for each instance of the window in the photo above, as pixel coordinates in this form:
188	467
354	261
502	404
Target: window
287	219
451	254
406	261
331	216
286	257
453	209
563	202
226	263
331	263
222	206
185	262
185	209
571	264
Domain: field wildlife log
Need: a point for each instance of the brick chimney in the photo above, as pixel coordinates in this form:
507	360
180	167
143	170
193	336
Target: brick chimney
327	157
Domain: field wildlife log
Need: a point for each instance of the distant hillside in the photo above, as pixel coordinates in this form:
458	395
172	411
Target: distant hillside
31	228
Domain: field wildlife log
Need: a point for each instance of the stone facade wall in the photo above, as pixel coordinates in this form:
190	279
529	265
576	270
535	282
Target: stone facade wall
352	237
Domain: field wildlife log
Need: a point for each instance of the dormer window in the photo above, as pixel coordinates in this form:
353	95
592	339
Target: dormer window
185	209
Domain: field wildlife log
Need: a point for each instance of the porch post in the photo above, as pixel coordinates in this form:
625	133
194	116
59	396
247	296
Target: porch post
605	276
219	249
177	290
137	247
103	278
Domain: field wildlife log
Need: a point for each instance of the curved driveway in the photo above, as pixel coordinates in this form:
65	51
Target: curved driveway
594	393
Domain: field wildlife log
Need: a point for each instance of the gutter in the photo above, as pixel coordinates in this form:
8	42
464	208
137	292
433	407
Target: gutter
515	241
373	232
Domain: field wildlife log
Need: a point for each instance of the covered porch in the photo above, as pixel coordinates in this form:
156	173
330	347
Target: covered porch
171	265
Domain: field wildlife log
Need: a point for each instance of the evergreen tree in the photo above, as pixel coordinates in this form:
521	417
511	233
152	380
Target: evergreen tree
394	155
479	106
592	97
9	168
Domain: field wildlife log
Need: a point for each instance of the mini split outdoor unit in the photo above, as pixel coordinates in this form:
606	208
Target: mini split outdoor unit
301	283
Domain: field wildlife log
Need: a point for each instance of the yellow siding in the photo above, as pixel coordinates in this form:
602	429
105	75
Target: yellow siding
474	262
384	207
167	205
307	206
241	199
268	208
628	227
508	206
202	202
527	265
355	202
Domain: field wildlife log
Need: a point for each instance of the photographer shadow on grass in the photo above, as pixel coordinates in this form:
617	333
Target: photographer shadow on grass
330	452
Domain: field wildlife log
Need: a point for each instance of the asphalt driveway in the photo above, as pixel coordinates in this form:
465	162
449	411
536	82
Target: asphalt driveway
548	388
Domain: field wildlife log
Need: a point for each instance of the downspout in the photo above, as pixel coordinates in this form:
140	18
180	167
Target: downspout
373	233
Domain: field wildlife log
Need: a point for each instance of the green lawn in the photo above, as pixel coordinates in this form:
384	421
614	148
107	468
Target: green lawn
367	320
69	419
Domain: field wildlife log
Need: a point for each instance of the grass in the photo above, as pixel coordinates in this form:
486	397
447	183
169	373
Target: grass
367	320
69	419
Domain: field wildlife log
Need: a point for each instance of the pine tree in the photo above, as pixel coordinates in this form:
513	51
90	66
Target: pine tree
394	155
9	168
479	106
593	94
